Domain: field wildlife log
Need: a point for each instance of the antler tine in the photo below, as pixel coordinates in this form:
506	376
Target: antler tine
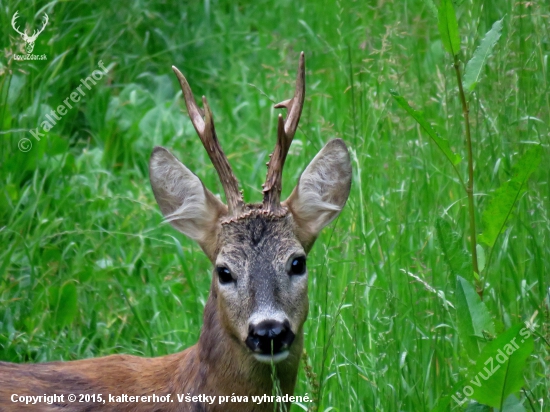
45	20
285	133
14	22
295	105
207	133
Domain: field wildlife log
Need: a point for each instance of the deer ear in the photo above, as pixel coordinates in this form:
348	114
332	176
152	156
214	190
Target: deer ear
183	200
321	192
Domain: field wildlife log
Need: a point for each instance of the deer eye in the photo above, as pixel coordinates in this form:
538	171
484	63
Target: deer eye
224	275
298	266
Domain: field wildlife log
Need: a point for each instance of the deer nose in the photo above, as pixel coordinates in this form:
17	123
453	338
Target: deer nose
269	337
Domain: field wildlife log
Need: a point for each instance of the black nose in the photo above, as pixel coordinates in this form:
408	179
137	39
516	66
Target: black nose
269	337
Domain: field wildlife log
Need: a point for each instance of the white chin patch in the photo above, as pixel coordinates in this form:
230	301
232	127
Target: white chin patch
268	358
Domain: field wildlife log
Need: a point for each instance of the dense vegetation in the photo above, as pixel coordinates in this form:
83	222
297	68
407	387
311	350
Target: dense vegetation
87	268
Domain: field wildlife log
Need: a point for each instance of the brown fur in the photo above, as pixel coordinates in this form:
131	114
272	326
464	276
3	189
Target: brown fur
205	368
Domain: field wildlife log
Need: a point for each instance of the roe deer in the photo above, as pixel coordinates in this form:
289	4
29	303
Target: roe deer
257	306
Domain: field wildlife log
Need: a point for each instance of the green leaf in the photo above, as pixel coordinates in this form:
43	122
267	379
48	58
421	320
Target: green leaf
15	88
499	368
472	73
448	27
480	257
500	207
477	407
472	317
431	7
419	117
452	244
512	404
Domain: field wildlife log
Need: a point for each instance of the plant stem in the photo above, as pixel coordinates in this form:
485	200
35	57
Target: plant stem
470	185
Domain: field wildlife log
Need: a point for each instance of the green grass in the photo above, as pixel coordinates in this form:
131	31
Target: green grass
88	268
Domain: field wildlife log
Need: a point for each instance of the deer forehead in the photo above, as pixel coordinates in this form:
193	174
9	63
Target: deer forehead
257	239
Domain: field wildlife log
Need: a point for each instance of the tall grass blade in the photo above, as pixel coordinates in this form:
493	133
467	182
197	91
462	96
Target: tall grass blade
67	306
451	243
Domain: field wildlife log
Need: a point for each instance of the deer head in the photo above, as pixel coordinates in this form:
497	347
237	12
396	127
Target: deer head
29	39
259	284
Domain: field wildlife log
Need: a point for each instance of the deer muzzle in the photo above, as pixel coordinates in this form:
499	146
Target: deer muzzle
270	340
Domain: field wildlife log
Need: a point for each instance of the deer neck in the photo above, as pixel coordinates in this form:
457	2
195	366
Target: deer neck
226	366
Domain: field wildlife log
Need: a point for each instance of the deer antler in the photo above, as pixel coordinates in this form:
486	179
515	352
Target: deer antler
207	133
13	23
285	133
37	32
26	37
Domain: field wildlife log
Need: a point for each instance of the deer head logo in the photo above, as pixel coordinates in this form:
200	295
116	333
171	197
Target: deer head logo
29	39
